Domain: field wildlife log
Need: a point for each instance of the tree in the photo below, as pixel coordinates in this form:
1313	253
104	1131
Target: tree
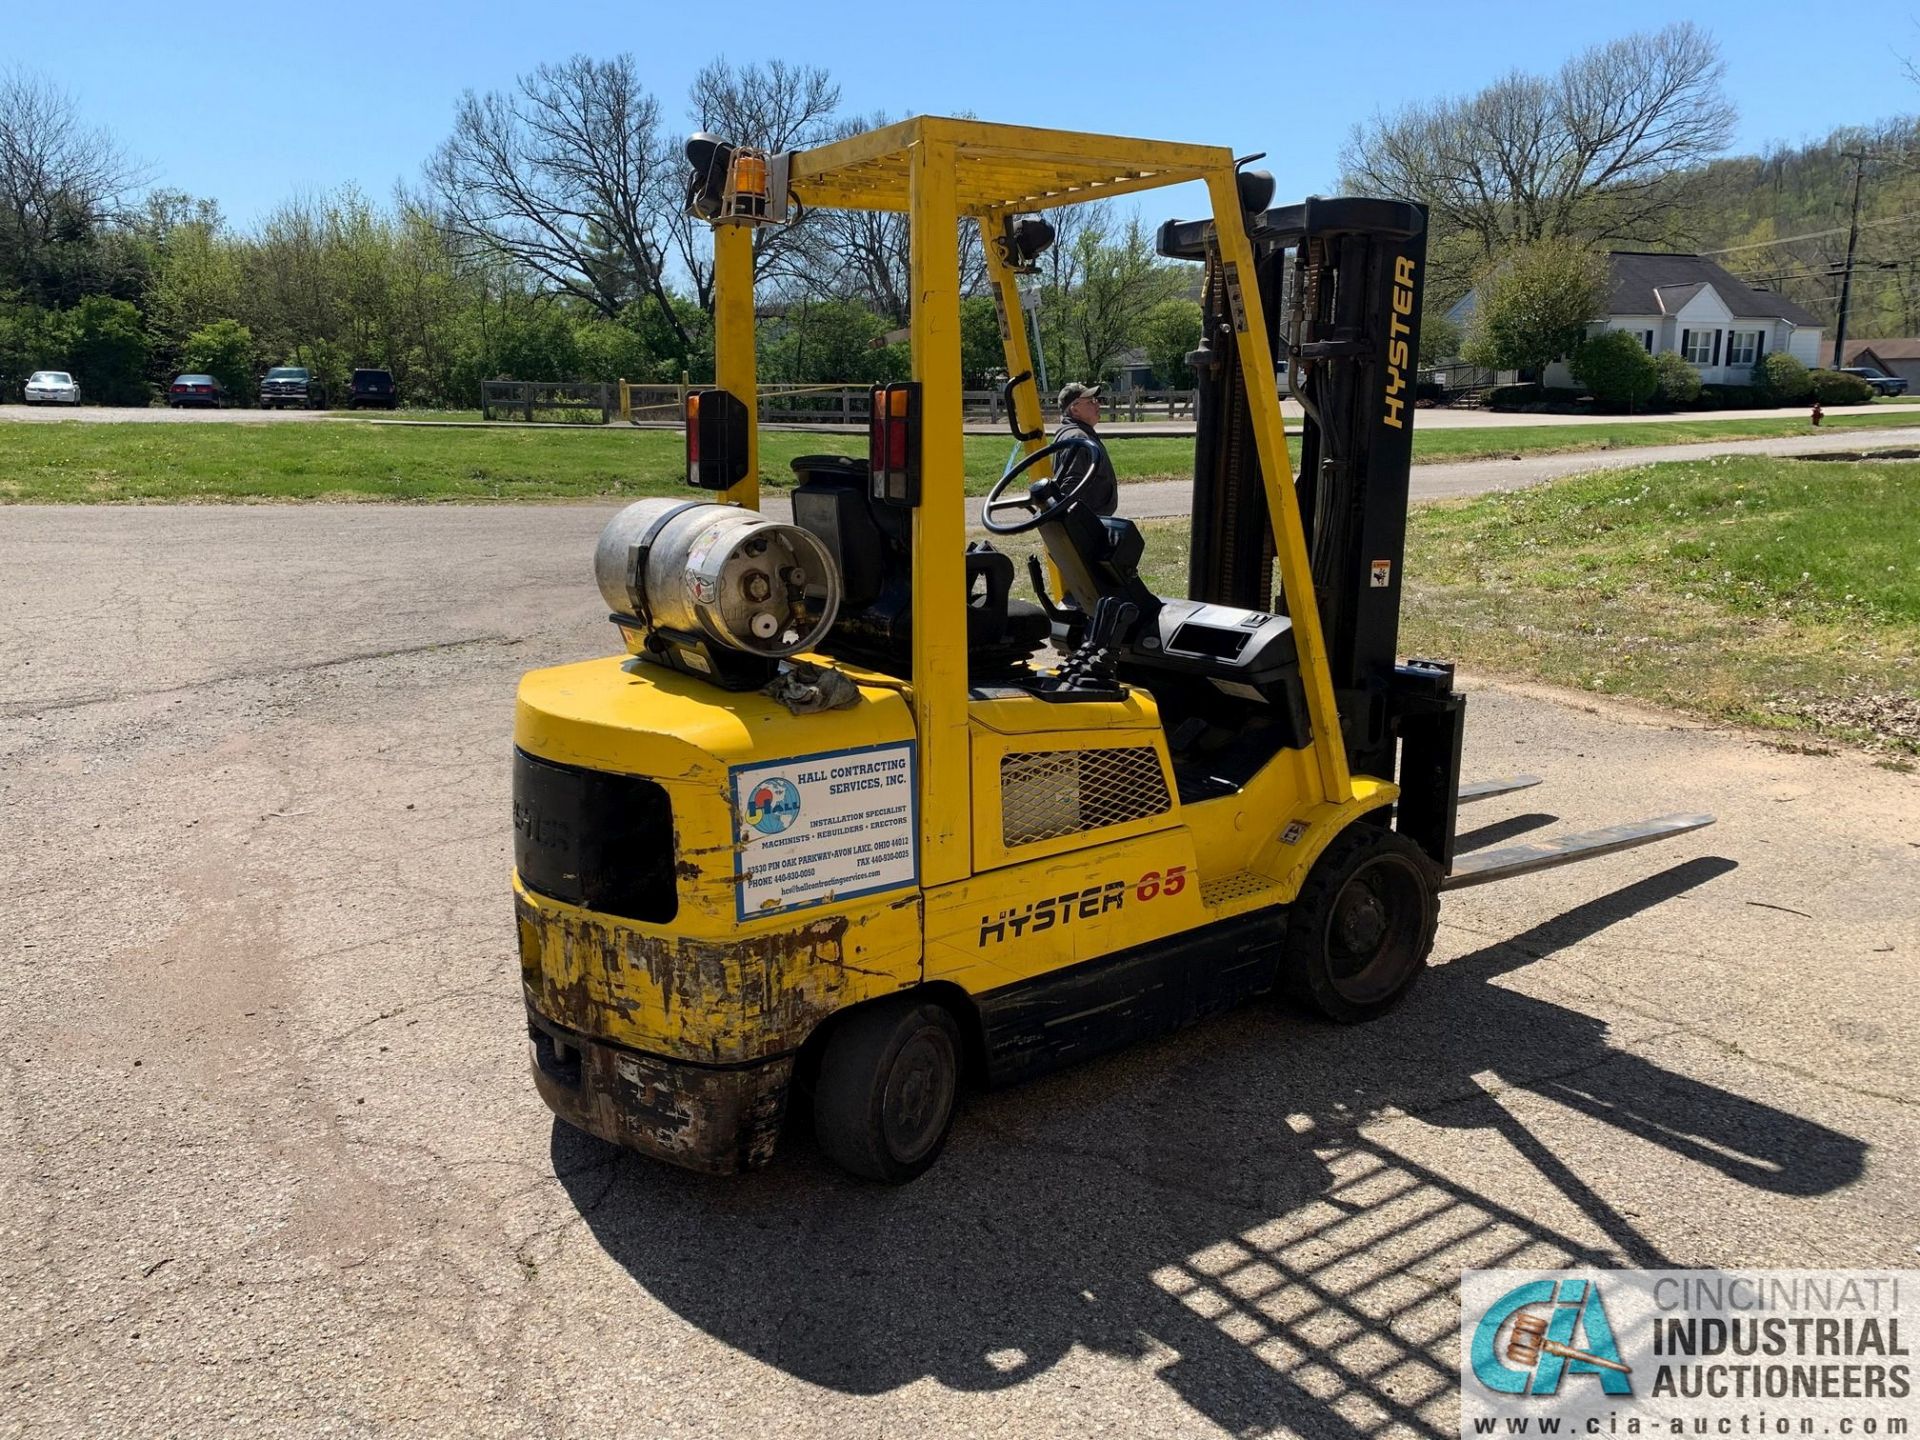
1169	332
1602	150
62	187
1119	280
1439	338
1616	367
565	177
983	356
107	350
225	351
865	255
773	107
1532	306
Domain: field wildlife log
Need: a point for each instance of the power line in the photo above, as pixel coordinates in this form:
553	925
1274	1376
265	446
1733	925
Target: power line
1813	234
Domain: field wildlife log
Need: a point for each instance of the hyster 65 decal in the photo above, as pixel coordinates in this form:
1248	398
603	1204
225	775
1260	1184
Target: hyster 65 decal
1040	915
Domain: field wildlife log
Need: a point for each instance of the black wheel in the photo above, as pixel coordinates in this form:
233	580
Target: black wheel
1359	933
889	1078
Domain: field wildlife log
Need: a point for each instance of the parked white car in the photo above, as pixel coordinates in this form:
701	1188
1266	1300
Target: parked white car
52	387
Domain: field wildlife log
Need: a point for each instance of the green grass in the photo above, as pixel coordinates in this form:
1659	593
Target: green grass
1777	593
76	462
81	463
1439	446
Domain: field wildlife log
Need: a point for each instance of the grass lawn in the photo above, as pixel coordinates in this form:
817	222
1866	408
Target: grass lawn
1777	593
83	462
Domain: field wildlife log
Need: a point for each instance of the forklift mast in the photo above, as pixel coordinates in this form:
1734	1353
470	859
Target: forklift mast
1340	283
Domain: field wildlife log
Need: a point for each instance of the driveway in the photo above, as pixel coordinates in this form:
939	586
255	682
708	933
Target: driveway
272	1161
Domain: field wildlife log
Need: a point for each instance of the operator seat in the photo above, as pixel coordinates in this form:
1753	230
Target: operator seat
872	543
1171	645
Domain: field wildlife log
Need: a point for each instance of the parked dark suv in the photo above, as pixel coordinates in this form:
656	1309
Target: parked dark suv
291	385
371	387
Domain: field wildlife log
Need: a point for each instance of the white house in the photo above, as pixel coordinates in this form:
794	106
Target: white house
1689	305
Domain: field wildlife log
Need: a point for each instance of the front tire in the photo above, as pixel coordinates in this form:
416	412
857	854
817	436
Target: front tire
885	1097
1359	934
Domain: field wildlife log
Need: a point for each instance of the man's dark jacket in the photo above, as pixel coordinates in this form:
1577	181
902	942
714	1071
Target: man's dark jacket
1085	468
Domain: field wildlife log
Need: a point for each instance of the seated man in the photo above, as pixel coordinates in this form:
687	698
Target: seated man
1084	468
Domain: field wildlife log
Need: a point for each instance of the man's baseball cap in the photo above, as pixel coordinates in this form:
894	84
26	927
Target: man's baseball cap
1078	390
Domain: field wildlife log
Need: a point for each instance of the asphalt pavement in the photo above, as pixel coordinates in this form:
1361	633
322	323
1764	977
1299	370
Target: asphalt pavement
272	1162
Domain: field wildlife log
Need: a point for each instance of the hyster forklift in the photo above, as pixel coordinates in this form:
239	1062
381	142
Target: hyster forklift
848	824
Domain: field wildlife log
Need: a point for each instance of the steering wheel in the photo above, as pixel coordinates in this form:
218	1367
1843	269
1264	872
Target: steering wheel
1036	514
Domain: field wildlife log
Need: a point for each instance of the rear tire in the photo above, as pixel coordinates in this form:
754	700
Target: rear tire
888	1085
1359	934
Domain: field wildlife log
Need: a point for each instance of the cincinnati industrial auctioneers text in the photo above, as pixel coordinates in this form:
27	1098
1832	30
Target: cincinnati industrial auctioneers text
1688	1352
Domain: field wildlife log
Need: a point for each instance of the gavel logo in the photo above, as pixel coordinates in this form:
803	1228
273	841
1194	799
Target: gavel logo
1528	1342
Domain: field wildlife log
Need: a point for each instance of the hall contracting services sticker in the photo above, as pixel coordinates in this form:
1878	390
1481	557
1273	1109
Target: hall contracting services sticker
1688	1352
831	826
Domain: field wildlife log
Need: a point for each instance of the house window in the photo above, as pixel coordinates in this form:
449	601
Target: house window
1646	338
1697	346
1743	347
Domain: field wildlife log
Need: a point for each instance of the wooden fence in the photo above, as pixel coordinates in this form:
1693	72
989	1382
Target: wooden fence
522	399
847	405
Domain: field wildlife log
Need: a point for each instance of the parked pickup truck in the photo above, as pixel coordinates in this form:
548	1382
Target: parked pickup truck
291	385
1882	383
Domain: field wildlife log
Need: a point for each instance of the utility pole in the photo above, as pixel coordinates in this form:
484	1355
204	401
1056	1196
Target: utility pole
1859	158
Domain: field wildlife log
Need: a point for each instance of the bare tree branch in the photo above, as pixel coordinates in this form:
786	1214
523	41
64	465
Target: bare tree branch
565	177
1599	152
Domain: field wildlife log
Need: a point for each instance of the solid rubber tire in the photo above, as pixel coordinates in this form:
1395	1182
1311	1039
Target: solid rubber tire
1306	961
850	1092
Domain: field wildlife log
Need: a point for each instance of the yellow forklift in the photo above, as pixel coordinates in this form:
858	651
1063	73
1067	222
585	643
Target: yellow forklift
847	821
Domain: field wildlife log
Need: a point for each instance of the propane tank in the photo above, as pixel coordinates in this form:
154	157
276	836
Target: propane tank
730	575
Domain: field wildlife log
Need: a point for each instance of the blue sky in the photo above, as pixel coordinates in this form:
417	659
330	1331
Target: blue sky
265	100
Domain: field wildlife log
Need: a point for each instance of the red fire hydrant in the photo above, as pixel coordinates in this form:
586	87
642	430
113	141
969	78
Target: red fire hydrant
1818	413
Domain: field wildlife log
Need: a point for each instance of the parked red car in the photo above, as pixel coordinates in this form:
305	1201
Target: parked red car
196	390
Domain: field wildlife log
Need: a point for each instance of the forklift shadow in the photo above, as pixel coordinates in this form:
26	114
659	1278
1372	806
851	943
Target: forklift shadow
1206	1210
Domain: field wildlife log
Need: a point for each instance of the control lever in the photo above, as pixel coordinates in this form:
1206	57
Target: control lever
1056	614
1092	666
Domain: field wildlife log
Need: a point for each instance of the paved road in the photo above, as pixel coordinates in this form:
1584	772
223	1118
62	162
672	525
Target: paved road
1168	499
272	1163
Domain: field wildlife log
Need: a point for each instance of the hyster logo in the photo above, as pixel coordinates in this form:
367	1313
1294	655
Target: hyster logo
1399	353
1094	900
1518	1351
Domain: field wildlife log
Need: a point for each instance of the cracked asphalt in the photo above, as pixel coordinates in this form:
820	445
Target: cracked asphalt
271	1160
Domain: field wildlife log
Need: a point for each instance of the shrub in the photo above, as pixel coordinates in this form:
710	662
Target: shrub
1616	367
1831	387
1779	379
1677	382
1514	397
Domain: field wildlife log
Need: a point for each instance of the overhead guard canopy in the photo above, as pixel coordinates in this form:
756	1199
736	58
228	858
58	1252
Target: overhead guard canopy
998	168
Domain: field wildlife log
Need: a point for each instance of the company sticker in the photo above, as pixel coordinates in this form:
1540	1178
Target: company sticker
824	827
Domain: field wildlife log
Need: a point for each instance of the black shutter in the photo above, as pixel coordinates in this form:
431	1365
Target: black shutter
1716	347
1759	345
1686	344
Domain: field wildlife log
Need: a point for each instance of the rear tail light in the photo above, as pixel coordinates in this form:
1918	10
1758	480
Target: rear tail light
717	438
893	443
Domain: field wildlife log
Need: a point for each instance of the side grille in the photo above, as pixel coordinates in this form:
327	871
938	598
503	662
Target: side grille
1049	793
600	841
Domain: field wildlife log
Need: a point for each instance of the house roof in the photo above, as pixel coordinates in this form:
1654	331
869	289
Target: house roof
1651	283
1885	349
